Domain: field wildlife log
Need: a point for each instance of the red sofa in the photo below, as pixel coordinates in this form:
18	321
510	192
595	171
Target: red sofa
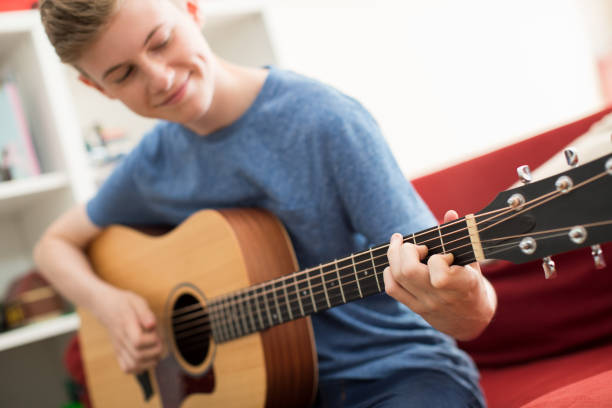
550	342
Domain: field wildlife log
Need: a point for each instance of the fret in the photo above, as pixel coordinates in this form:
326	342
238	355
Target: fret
347	279
339	280
253	310
356	276
331	285
305	292
215	324
324	286
272	303
224	322
234	314
228	318
367	279
431	239
414	239
254	300
457	241
317	289
278	312
441	240
281	300
244	312
240	316
374	269
263	304
297	293
314	304
287	300
380	260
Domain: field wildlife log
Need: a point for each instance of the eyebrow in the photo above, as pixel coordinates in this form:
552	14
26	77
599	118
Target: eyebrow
116	67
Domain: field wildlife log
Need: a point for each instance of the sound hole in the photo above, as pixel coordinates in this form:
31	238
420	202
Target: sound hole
191	329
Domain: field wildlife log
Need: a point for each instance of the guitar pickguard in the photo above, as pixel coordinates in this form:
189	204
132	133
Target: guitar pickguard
175	385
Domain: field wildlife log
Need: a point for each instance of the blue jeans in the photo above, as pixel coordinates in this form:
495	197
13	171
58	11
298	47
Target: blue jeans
414	388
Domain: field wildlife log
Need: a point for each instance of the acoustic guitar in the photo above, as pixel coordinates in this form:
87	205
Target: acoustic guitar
233	311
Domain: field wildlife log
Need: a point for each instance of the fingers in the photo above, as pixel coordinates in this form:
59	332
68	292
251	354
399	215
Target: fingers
405	277
404	259
451	278
138	345
144	314
450	215
139	349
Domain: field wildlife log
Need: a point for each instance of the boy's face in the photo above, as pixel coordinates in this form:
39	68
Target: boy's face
153	57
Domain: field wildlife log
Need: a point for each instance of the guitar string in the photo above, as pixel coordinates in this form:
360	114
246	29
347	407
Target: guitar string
195	337
561	232
185	346
364	279
454	232
237	300
503	210
406	239
552	234
186	309
345	268
560	194
240	302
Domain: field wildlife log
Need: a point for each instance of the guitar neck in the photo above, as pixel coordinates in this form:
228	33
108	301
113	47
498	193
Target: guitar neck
335	283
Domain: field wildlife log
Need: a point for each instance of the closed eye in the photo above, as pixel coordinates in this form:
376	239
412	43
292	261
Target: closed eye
128	72
163	44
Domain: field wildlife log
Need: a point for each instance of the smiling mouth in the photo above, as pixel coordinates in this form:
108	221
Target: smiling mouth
177	95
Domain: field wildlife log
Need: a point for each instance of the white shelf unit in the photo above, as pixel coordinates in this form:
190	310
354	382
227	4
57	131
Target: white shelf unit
31	357
39	331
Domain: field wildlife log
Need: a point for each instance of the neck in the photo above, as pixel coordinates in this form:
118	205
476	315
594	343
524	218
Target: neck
317	289
234	91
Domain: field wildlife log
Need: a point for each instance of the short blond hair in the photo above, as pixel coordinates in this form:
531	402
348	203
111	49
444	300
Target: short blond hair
73	25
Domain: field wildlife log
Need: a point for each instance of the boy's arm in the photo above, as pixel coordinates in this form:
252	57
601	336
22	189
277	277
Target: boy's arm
60	256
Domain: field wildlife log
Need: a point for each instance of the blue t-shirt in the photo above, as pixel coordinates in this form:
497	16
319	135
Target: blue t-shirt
316	159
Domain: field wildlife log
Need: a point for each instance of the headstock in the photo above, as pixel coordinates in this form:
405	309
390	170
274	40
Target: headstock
570	210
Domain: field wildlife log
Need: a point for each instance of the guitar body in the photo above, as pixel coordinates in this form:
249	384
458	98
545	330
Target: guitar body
210	254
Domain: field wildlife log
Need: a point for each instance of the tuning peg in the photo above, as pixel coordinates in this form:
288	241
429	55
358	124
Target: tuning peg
598	257
571	156
550	270
524	174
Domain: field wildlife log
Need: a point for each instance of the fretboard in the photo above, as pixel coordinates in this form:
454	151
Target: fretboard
316	289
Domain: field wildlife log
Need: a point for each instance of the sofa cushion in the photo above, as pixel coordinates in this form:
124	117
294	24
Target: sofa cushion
557	378
536	318
592	392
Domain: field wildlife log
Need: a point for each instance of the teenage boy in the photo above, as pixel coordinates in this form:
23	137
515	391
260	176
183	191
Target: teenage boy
232	136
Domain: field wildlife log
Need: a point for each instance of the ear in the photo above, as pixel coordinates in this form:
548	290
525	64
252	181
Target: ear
89	82
194	9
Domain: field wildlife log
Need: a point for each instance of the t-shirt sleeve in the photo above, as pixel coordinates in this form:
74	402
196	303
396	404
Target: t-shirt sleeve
378	199
120	200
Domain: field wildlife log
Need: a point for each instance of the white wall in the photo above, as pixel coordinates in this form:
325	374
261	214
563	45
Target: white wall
446	79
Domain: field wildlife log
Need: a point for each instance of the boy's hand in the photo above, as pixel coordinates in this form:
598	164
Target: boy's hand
456	300
132	328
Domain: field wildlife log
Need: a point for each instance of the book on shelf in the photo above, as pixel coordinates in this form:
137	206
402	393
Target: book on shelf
17	155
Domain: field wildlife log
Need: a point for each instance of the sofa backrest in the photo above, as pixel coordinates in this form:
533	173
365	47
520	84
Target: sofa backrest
536	317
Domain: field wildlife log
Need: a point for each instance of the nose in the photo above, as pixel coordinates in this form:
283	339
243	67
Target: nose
160	76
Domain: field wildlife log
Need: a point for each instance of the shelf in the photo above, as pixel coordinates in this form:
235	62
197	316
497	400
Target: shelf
39	331
15	194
